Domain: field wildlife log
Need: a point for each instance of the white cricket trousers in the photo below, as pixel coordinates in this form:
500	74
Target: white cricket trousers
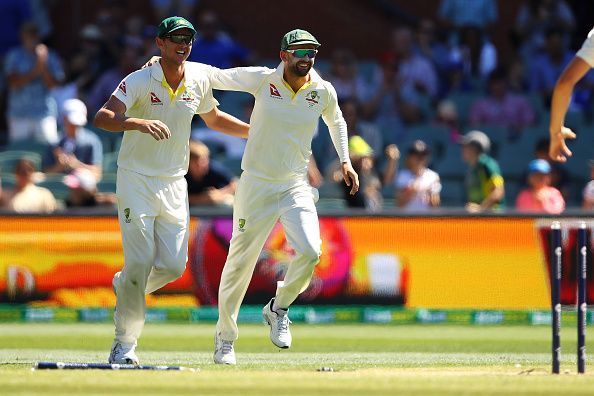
43	129
154	217
258	205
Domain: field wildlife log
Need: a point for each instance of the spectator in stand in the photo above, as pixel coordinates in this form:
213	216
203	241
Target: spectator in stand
382	104
88	62
26	196
82	185
417	186
31	71
560	178
447	116
535	18
165	8
79	148
455	14
103	88
547	66
501	107
474	53
369	196
357	127
13	15
343	76
215	47
209	183
432	47
540	196
588	194
484	182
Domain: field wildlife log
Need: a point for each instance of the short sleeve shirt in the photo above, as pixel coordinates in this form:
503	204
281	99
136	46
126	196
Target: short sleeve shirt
482	179
146	95
587	50
32	100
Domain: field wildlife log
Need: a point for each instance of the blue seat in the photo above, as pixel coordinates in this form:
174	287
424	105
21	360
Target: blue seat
8	159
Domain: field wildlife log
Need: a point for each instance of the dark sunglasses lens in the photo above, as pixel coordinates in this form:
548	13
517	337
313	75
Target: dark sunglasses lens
301	53
179	39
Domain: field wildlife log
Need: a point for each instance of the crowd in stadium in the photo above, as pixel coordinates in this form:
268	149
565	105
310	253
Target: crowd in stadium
437	120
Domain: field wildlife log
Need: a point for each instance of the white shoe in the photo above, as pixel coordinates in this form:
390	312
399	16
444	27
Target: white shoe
280	334
123	353
224	353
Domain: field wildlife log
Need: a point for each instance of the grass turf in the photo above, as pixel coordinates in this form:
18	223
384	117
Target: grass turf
366	358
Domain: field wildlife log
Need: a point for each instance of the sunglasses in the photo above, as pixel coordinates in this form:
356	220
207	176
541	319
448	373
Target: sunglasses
180	38
301	53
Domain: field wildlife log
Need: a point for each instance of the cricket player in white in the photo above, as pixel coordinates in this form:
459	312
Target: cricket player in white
581	63
288	103
155	106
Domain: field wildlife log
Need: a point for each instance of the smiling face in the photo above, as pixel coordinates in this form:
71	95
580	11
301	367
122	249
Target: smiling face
298	66
172	52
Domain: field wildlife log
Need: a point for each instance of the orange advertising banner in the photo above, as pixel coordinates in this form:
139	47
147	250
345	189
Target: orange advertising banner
484	263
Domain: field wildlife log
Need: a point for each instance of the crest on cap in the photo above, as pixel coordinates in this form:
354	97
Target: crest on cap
172	24
298	36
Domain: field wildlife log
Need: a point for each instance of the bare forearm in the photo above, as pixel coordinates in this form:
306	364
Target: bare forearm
229	125
559	105
114	122
494	197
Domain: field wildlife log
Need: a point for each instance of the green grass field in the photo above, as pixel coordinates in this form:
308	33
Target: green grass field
367	359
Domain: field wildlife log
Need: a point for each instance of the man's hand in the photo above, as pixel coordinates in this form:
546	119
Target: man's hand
558	150
350	177
151	61
157	129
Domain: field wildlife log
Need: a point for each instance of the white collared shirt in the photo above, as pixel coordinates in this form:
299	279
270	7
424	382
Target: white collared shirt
283	122
147	95
587	50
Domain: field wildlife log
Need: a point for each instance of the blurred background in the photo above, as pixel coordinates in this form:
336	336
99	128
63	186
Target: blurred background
446	101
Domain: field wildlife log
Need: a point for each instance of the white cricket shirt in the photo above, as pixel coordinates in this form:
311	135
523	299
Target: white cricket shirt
147	95
283	122
587	50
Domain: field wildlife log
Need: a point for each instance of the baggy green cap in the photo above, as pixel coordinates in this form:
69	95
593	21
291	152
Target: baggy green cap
172	24
298	36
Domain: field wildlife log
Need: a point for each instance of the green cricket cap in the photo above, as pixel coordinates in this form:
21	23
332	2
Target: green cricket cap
298	36
172	24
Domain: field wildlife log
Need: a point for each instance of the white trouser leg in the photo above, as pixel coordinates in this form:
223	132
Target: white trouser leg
258	207
302	228
137	210
171	236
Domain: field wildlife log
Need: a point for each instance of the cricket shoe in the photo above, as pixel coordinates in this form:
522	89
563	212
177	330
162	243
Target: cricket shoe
280	334
123	353
224	353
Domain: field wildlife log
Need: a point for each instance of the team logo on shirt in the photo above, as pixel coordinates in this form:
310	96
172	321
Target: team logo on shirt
155	99
274	92
241	224
312	98
122	87
127	215
187	97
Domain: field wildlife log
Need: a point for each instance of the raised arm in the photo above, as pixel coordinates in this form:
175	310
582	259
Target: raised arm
574	72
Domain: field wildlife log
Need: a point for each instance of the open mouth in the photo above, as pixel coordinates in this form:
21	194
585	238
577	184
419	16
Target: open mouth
180	52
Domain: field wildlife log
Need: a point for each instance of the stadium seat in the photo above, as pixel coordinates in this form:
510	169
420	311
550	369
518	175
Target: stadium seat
231	164
512	189
463	102
56	186
9	158
110	162
28	145
331	203
452	192
330	189
513	159
451	164
435	136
